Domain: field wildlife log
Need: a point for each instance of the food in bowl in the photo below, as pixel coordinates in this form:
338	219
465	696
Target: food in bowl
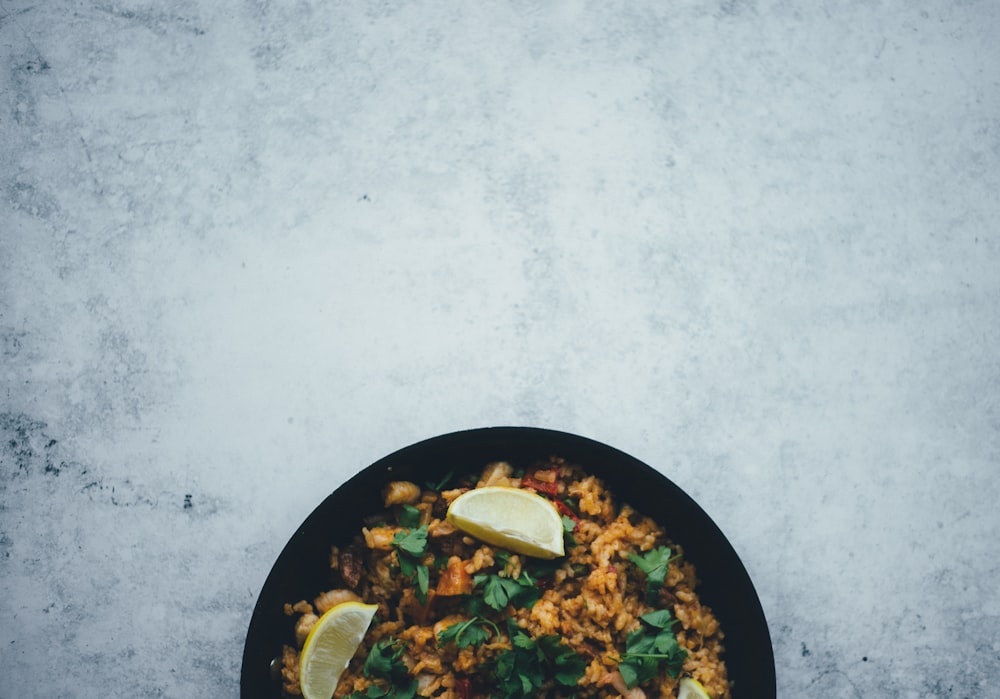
466	609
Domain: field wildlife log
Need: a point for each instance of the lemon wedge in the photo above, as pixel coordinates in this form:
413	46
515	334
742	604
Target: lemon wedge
512	518
692	689
330	646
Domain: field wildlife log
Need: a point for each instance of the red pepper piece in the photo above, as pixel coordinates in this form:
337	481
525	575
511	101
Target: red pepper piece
544	487
563	509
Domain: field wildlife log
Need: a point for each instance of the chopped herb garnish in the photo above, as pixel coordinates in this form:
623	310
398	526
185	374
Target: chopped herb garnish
521	671
569	526
499	591
373	692
383	662
410	547
651	648
413	542
409	517
423	583
474	605
654	565
660	619
382	658
468	633
406	564
543	568
439	486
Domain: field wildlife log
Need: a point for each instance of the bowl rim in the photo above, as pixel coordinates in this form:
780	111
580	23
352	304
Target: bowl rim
732	594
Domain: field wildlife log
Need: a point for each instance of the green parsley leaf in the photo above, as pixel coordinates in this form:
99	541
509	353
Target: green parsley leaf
474	605
666	643
439	486
383	659
569	526
523	641
640	643
410	547
468	633
423	583
500	591
521	671
636	669
568	665
629	673
373	692
660	619
409	517
543	568
413	542
650	649
407	690
654	565
407	566
383	662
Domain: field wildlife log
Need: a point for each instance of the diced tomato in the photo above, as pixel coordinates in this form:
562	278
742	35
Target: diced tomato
463	687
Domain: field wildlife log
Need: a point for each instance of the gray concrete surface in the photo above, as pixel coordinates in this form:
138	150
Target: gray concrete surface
247	248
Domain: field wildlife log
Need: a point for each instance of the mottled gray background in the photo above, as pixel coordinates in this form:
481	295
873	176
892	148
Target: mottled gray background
247	248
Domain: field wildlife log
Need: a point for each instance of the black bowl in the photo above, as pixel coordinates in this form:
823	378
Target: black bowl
302	569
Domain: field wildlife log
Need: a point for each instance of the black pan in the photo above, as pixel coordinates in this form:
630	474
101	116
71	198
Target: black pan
302	569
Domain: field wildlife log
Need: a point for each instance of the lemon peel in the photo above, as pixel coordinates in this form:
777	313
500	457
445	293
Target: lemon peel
692	689
330	645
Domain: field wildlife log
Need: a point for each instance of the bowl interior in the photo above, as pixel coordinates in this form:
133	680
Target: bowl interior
301	570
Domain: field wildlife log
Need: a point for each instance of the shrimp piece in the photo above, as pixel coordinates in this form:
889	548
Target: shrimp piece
380	538
400	493
616	680
439	528
331	598
303	626
496	473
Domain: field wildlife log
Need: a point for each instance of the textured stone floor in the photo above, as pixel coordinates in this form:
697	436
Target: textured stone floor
247	248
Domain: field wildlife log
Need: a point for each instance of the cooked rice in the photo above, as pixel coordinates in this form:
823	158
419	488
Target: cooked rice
593	600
